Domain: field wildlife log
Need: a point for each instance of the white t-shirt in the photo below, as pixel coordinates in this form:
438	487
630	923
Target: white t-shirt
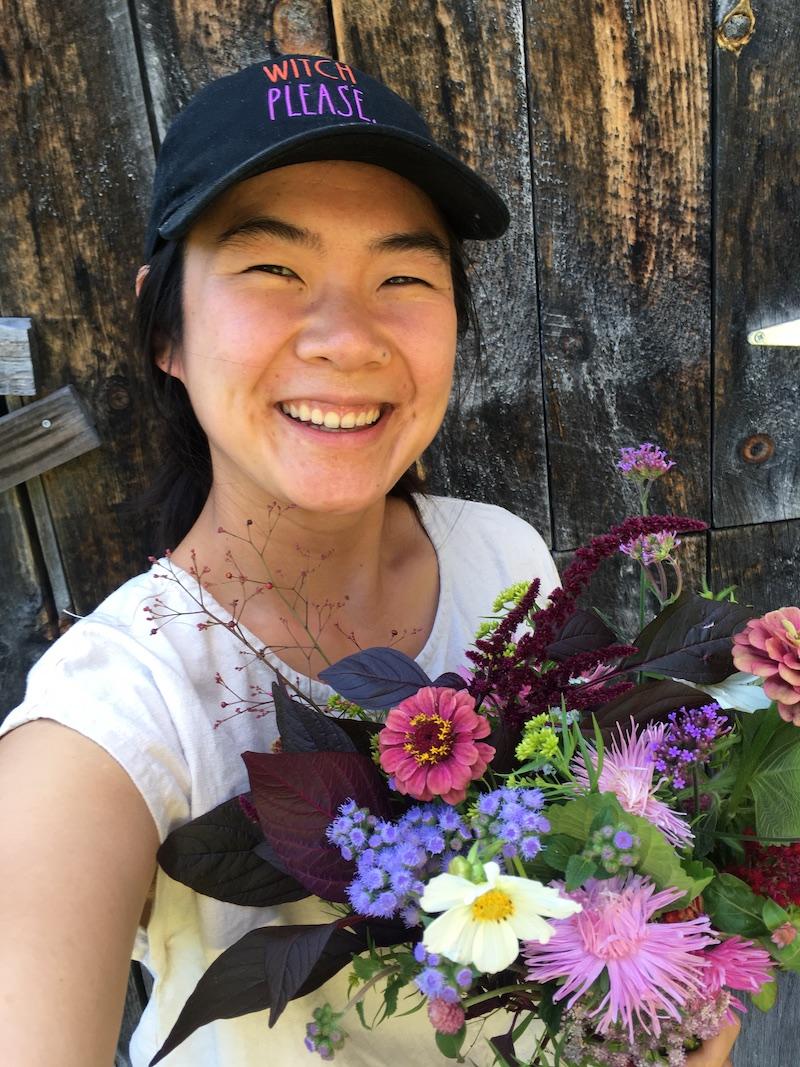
152	702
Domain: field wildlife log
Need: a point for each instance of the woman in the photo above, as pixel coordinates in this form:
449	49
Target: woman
301	303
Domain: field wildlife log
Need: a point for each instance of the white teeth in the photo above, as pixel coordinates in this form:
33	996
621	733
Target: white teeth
330	420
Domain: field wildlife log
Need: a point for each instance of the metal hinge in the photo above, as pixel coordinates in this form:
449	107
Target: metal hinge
785	334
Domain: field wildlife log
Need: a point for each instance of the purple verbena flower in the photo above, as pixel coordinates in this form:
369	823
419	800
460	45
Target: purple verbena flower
652	548
645	463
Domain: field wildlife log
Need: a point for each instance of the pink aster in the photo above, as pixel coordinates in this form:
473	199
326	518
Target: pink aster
628	771
652	969
735	964
770	648
430	744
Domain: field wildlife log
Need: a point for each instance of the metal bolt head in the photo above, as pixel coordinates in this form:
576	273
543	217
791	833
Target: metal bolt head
46	424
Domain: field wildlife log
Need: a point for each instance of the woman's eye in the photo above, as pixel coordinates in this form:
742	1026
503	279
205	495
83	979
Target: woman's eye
273	268
405	279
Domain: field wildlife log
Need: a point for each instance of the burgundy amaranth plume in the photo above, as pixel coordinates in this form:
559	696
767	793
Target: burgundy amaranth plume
501	678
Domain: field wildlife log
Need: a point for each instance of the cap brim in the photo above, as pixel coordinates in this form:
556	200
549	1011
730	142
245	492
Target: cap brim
471	206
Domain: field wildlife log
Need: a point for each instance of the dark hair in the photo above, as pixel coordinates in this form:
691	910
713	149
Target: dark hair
183	481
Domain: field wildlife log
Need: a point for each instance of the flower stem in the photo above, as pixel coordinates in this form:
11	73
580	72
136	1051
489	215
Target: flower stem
479	998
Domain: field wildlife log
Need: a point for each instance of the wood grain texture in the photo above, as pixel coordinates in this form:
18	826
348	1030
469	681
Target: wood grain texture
16	358
75	165
756	211
185	45
43	435
620	126
462	65
771	1039
763	561
29	622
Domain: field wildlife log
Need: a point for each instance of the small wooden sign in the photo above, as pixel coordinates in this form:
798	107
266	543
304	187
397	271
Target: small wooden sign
16	363
42	435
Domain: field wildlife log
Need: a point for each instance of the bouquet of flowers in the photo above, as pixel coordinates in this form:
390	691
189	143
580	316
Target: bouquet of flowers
602	835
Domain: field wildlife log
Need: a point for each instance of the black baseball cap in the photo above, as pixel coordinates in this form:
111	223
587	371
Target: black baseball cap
299	109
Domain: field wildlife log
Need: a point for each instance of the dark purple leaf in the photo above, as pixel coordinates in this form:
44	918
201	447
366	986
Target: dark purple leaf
377	678
218	855
450	680
649	702
584	631
297	795
304	729
691	639
503	1046
272	965
360	732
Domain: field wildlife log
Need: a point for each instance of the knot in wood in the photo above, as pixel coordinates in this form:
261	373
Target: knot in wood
737	27
758	448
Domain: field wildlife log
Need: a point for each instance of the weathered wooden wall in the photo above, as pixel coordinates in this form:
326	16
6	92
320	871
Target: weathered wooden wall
649	152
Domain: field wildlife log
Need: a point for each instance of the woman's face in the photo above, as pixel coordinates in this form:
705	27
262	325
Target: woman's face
319	334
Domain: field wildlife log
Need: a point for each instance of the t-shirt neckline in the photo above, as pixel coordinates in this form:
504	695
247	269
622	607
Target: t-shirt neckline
317	689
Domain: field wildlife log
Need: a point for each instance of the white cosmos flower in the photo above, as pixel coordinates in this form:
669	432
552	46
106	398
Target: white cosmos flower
739	692
483	923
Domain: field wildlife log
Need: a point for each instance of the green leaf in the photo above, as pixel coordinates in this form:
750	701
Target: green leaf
579	868
765	998
775	786
450	1044
575	818
774	915
557	851
734	907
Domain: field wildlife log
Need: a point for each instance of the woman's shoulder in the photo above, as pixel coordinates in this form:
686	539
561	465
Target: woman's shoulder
499	547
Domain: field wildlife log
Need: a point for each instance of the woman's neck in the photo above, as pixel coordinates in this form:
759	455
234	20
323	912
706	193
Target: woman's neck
316	587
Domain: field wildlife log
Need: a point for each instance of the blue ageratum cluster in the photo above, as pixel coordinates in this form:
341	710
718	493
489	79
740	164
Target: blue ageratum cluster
441	978
394	859
514	817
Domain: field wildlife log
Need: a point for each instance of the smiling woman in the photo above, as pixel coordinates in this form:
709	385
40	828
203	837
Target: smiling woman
299	308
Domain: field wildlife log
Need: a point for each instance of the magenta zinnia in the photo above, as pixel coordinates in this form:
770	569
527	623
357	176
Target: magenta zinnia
770	648
430	744
652	968
628	771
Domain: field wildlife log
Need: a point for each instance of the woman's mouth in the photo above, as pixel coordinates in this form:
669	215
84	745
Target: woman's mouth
333	418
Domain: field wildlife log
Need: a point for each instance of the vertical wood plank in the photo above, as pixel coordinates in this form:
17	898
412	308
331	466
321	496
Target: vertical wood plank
75	166
620	126
186	45
757	205
462	65
763	561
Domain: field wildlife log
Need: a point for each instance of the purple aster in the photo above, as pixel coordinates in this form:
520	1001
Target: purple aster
629	771
687	742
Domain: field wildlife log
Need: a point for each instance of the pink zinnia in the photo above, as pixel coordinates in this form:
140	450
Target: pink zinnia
628	771
735	964
770	648
652	968
430	744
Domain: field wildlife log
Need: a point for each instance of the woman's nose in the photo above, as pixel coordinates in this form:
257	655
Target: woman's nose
341	330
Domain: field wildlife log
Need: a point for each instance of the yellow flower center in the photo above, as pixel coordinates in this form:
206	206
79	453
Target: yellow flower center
791	632
429	738
494	906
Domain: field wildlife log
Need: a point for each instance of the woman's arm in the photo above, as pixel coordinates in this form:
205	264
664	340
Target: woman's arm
77	856
717	1051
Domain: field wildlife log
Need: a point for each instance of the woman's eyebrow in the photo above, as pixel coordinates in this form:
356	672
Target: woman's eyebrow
268	226
417	241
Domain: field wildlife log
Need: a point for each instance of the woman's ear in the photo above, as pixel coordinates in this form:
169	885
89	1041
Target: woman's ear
165	358
141	274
